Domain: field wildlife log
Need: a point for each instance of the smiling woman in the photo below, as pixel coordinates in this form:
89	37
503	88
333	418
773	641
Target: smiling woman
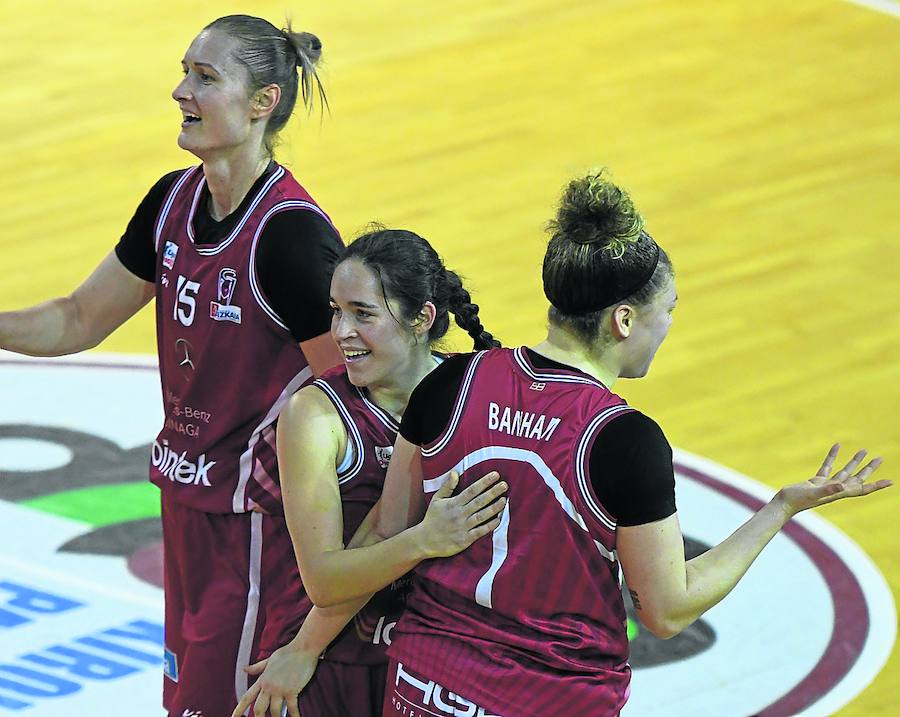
224	61
238	256
391	299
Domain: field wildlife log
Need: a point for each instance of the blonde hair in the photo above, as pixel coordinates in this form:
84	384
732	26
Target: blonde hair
274	57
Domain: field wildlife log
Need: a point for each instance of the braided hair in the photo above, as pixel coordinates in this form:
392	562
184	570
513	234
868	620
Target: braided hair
411	273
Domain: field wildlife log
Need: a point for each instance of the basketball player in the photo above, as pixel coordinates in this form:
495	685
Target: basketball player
239	258
391	298
530	622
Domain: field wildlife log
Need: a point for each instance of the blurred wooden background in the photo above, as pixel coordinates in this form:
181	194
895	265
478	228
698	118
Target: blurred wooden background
759	140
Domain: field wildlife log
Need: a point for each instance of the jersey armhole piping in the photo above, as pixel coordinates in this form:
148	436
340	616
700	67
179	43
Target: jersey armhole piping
255	285
582	463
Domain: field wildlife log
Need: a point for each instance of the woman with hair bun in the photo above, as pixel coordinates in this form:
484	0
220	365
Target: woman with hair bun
391	299
530	622
238	256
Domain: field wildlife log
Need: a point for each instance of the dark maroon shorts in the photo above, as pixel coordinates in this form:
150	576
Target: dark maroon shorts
409	694
339	690
232	588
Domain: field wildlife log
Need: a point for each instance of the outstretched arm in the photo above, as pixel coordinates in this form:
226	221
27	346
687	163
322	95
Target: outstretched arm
670	593
106	299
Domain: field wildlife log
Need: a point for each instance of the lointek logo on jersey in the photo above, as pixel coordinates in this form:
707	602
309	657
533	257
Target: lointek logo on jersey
807	629
177	467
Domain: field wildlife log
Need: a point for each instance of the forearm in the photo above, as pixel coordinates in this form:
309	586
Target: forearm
48	329
105	300
323	624
711	576
366	534
339	576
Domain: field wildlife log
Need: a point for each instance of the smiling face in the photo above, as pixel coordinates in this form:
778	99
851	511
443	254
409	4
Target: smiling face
214	97
649	328
378	351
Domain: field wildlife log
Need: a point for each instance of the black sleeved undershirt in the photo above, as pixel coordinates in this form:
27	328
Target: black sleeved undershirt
431	402
631	470
631	460
135	249
295	257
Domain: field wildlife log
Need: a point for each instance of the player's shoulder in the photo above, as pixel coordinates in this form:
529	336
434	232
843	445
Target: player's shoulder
448	372
156	195
297	223
311	402
633	425
168	180
335	384
284	187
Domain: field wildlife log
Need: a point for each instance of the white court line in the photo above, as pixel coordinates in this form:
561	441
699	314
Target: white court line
88	357
888	7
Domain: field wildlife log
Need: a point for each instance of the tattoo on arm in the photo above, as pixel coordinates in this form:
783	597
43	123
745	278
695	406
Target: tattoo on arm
635	599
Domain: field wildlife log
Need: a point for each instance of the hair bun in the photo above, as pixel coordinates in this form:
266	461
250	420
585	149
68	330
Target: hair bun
593	210
307	45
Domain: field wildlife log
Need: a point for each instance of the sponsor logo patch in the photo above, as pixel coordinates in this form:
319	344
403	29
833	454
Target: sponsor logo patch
169	254
219	312
223	309
426	696
183	350
170	664
383	455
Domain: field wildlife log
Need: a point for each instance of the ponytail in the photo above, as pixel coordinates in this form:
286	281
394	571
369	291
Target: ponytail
308	49
274	57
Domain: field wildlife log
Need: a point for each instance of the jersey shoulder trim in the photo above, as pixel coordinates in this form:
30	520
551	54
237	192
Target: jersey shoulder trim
383	416
256	288
458	405
551	375
221	246
167	204
352	462
582	460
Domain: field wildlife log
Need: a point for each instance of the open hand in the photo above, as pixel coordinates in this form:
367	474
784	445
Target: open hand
452	523
824	488
284	675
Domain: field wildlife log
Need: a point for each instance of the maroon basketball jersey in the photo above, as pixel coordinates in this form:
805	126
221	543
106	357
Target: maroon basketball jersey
371	433
529	620
227	361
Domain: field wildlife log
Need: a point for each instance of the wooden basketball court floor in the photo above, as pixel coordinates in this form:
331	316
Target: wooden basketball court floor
759	139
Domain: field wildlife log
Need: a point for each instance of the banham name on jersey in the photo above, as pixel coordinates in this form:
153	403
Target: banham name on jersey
529	620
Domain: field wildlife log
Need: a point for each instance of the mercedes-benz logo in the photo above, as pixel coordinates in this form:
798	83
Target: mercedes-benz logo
183	347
